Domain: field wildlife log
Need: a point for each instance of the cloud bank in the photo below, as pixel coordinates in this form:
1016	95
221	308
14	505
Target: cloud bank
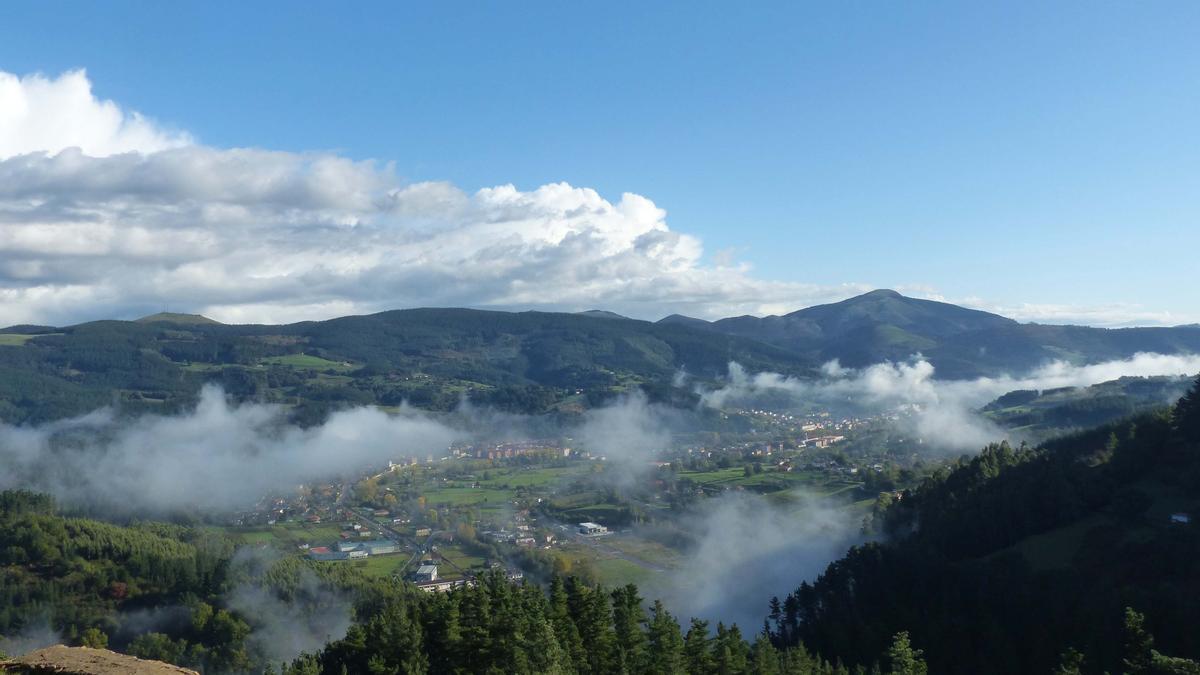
104	214
217	457
943	409
221	457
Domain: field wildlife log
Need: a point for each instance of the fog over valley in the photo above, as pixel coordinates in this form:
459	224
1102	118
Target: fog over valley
763	339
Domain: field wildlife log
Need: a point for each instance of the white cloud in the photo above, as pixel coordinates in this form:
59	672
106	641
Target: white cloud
104	214
52	114
1113	315
107	214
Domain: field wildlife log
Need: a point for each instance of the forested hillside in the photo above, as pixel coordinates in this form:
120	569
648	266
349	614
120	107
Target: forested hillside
163	592
1005	562
961	343
1052	412
528	362
76	577
499	627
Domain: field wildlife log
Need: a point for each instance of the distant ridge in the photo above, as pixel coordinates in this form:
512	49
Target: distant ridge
681	320
602	314
884	325
173	317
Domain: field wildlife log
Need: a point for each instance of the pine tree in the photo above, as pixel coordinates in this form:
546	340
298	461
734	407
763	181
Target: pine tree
446	632
546	655
564	625
797	661
1185	417
1139	644
903	659
697	652
597	633
1070	663
628	619
730	650
665	643
764	658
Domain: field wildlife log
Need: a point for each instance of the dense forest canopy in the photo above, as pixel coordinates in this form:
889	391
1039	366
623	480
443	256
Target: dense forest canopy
1005	561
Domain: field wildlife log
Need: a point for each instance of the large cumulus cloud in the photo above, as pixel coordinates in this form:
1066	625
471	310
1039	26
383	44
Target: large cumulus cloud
43	114
104	214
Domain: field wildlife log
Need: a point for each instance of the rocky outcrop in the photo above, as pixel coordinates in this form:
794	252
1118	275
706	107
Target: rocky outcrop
60	660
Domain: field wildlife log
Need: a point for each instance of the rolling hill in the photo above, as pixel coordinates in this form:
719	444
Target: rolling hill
884	325
1055	411
531	362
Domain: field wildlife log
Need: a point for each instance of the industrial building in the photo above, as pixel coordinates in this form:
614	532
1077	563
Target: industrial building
592	529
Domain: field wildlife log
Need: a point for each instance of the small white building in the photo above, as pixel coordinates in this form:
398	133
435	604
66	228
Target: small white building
592	529
426	573
1181	518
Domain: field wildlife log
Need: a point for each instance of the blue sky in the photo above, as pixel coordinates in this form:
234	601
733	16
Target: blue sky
1001	153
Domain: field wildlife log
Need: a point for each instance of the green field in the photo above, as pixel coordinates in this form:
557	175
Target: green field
710	477
500	488
645	549
379	565
618	572
285	536
14	339
600	513
577	500
766	481
306	361
465	561
832	488
531	477
487	498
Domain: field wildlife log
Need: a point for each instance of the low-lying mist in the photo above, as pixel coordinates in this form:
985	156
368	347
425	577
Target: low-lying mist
218	456
221	456
944	414
36	634
286	622
749	548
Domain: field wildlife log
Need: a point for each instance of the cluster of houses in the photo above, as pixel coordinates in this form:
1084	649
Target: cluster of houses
510	449
519	532
311	507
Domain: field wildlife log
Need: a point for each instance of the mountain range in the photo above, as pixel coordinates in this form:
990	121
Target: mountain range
884	325
525	361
